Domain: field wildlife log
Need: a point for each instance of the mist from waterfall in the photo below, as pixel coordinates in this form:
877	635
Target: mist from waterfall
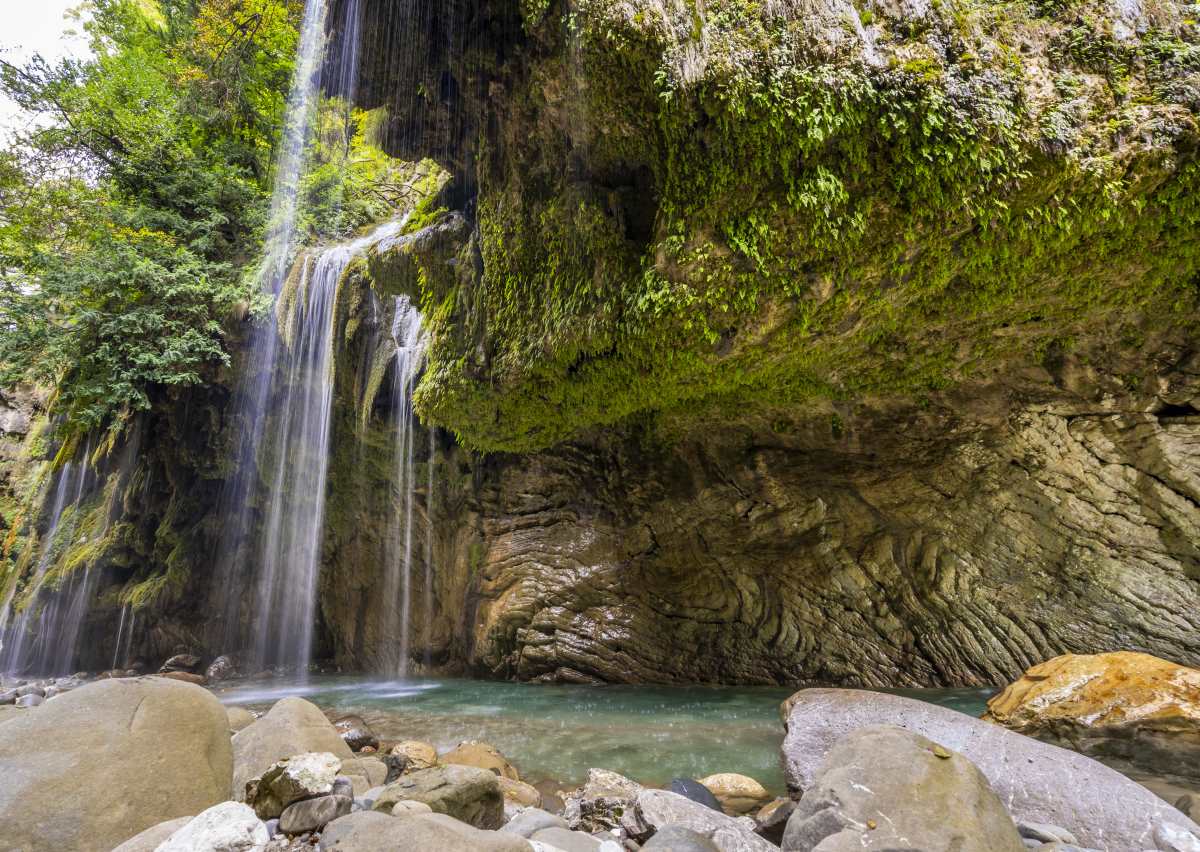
397	586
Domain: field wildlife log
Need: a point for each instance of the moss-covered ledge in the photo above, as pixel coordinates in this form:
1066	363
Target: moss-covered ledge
751	208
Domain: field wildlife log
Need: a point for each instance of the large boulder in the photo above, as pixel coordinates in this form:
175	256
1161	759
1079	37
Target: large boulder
371	831
293	726
1124	705
463	792
101	763
227	827
656	809
1039	783
883	787
154	836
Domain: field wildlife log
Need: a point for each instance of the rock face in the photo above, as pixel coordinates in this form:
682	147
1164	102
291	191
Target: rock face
126	755
293	726
463	792
882	787
1124	705
1038	783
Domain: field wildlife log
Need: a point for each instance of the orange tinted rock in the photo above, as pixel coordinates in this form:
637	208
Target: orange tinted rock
1123	705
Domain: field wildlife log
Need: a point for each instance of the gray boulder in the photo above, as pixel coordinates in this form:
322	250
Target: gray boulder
697	792
371	831
101	763
463	792
312	814
676	838
356	732
154	836
1038	783
227	827
222	668
654	810
883	788
293	726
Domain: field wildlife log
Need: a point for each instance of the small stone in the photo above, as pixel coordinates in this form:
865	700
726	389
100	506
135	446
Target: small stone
1044	833
410	809
181	663
418	755
771	821
342	786
676	838
519	793
566	840
697	792
288	781
482	756
532	820
313	814
356	733
738	794
31	689
30	700
272	827
222	668
9	697
1189	805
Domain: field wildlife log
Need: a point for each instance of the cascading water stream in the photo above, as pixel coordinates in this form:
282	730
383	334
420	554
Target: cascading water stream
283	403
397	588
34	641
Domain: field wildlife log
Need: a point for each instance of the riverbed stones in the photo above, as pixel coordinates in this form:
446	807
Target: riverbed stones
519	794
313	814
292	726
1038	782
466	793
300	777
1134	707
356	733
227	827
154	836
656	809
122	755
371	831
882	787
738	794
482	755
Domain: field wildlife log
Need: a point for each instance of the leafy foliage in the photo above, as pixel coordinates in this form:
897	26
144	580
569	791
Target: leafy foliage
139	190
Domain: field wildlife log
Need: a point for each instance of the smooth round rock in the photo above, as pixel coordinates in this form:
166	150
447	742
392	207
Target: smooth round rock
117	756
227	827
410	809
313	814
738	794
483	756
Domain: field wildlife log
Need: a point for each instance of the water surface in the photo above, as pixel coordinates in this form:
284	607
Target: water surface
557	732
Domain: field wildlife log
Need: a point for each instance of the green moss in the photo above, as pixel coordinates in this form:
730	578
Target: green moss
821	228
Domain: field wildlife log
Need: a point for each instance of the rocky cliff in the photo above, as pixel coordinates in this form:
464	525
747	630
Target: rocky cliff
770	342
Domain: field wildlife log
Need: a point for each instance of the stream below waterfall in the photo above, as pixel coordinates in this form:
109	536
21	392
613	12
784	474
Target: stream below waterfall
555	733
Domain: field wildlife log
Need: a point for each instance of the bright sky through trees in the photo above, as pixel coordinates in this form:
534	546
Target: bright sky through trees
36	26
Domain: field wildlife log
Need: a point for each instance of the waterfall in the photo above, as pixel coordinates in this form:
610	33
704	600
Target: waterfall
124	643
40	640
282	406
397	589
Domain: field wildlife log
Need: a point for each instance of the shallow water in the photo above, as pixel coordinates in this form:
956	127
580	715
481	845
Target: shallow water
556	732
